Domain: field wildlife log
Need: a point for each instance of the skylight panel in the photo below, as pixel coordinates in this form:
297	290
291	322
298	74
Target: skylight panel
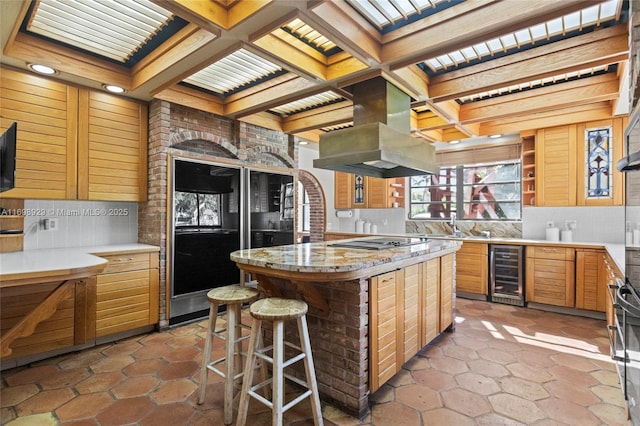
458	57
555	26
233	71
591	15
508	41
538	32
307	103
572	21
481	49
445	60
609	9
469	53
495	45
523	37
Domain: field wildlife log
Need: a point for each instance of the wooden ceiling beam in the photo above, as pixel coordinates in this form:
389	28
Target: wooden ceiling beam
603	47
326	116
469	23
559	117
213	15
191	98
587	90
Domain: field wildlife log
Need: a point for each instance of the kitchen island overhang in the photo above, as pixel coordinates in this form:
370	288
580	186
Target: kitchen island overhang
370	311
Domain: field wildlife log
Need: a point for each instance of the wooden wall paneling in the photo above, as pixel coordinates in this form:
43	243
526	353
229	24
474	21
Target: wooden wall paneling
430	298
343	190
383	329
46	112
411	312
446	291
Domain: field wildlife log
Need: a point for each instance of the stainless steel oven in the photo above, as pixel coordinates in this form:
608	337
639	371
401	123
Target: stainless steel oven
627	349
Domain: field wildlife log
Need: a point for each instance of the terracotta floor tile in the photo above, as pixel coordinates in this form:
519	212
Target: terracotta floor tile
145	366
151	351
135	386
523	388
43	419
115	363
493	419
567	412
99	382
173	391
577	377
44	401
14	395
610	415
125	411
170	414
434	379
188	353
444	416
516	408
609	394
84	406
418	397
527	372
487	368
396	414
126	347
64	378
477	383
23	376
465	402
178	370
571	392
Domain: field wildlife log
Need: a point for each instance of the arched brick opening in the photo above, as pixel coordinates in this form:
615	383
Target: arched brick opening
317	205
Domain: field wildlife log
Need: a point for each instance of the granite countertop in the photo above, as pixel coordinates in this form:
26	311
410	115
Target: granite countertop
63	259
322	257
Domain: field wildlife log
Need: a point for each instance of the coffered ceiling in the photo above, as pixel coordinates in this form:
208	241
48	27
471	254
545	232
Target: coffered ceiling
472	67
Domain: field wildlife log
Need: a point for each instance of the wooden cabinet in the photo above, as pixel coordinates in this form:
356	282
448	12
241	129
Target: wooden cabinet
556	166
361	192
11	218
611	274
127	293
591	282
472	268
561	165
74	143
408	309
550	275
112	147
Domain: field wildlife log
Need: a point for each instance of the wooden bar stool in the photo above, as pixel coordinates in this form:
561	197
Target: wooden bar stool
233	296
279	310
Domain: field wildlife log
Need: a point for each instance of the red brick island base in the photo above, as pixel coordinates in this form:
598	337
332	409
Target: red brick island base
369	311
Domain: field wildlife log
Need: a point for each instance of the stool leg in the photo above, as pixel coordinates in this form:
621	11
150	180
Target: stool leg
310	370
278	373
238	349
206	356
250	366
229	361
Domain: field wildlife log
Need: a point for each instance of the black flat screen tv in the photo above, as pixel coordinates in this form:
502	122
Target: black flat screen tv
8	158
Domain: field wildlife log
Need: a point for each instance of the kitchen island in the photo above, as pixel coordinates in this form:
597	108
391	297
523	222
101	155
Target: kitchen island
370	311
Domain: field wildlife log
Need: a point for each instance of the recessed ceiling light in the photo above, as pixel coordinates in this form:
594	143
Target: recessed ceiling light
303	142
494	136
454	142
113	89
42	69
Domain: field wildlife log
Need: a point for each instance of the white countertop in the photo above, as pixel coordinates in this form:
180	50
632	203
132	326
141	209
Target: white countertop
60	259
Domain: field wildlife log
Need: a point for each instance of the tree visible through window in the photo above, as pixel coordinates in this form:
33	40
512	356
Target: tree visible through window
484	192
193	209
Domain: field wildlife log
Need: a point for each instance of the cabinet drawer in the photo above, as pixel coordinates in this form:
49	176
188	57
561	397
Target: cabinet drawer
127	262
474	248
550	252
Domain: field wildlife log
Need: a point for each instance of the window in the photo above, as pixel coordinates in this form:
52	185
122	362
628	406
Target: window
479	192
304	210
598	161
194	209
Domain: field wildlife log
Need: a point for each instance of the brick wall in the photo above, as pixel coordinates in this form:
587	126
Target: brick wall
189	133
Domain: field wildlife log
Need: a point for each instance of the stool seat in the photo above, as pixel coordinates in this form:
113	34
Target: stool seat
232	294
277	309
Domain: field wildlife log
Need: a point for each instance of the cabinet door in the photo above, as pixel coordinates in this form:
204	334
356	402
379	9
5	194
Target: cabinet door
430	296
409	311
550	276
377	192
343	190
472	268
46	112
127	293
556	166
112	148
591	282
446	291
383	328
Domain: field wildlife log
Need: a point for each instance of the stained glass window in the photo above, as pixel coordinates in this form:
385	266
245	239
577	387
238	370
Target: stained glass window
598	170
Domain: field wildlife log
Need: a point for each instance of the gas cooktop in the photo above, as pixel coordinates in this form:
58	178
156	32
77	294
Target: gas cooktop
381	243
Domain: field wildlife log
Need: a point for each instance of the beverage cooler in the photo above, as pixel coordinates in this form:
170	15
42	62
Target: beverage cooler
506	280
218	209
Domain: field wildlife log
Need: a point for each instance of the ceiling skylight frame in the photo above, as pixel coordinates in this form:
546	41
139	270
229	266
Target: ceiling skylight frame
115	30
606	12
310	102
236	70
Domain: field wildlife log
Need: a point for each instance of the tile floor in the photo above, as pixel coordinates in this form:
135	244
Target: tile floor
502	366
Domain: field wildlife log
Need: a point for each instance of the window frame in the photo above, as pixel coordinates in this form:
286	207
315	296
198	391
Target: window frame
454	186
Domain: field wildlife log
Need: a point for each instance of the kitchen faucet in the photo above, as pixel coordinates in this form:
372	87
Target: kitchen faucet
454	228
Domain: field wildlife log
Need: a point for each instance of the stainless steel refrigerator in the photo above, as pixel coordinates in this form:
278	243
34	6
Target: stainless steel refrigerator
217	209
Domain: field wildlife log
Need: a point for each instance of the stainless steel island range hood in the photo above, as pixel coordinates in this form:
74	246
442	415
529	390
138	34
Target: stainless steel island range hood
379	144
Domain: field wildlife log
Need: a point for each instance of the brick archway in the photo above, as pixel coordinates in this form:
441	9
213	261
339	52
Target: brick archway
317	205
